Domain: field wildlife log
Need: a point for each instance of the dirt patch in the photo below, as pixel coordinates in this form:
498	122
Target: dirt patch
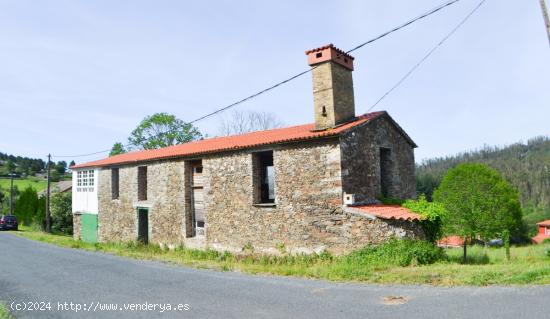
395	300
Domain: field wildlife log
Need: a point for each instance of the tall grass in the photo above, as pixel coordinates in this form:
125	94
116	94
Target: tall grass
397	261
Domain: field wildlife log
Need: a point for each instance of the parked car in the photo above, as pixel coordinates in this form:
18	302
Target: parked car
8	222
496	242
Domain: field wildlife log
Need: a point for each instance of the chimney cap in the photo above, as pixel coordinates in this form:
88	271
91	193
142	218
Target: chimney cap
330	53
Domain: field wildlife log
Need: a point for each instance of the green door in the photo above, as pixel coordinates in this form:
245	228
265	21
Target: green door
89	227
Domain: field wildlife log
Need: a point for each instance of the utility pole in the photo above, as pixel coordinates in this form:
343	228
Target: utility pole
546	18
11	193
48	219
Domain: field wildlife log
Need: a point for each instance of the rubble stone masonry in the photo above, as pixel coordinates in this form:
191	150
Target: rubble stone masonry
308	214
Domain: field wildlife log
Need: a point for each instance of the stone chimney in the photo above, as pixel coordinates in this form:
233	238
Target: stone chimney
333	100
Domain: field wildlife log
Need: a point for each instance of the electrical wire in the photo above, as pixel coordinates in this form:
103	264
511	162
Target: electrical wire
395	29
419	63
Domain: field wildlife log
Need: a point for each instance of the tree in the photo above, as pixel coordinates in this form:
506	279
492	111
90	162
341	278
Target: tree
62	217
26	205
72	163
426	184
117	149
243	122
40	216
161	130
10	167
481	204
55	176
61	167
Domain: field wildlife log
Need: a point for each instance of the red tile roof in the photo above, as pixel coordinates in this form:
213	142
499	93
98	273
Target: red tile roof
540	238
545	223
451	241
388	212
230	143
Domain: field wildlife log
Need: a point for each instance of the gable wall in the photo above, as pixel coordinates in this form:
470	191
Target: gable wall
361	161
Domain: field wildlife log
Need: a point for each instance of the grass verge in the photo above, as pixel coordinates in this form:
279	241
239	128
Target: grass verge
394	263
4	313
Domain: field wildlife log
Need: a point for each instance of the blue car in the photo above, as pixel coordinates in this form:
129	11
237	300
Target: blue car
8	222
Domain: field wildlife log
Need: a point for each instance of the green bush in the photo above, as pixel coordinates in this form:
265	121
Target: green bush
432	216
61	213
400	252
390	200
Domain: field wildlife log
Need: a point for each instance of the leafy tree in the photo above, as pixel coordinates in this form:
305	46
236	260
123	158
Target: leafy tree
525	165
426	184
26	205
161	130
433	216
72	163
55	176
481	204
61	167
20	165
61	213
40	216
10	166
117	149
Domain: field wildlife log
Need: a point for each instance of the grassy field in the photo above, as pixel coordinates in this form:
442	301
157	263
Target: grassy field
36	183
487	266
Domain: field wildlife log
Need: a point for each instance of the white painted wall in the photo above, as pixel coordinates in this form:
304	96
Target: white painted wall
85	202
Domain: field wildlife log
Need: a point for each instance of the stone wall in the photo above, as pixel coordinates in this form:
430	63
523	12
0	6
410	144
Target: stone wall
361	161
117	218
77	227
307	216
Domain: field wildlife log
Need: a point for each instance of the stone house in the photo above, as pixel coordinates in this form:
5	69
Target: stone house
303	188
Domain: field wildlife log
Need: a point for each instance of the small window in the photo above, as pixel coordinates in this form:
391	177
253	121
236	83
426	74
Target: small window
114	183
142	183
547	230
264	178
318	55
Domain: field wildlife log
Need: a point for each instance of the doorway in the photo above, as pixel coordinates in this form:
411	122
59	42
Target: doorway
197	199
386	172
143	225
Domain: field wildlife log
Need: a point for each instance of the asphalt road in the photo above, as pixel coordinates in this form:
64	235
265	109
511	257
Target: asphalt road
34	273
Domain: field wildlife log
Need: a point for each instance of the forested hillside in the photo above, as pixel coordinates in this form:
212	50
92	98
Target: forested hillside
525	165
20	165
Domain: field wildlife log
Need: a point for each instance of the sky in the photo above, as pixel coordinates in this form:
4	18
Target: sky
77	76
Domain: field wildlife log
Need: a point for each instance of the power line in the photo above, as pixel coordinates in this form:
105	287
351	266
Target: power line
222	109
420	17
419	63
